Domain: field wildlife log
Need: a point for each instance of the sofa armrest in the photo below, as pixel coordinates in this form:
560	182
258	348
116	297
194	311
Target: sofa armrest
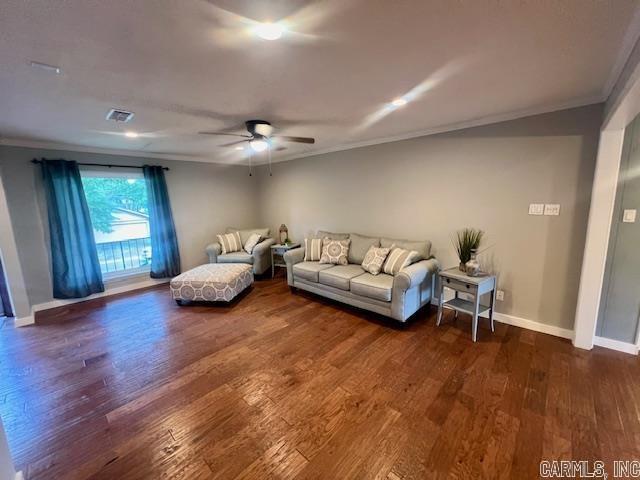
213	250
415	274
293	256
262	256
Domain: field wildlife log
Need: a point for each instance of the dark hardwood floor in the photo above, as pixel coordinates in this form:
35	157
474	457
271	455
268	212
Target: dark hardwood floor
281	385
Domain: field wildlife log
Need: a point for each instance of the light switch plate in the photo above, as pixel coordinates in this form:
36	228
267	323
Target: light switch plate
536	209
552	209
629	216
500	295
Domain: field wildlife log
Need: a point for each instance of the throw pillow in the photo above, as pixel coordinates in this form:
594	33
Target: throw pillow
374	259
230	242
312	249
251	242
335	251
398	259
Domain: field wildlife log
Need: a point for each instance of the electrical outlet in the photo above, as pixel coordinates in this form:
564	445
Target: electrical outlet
629	216
500	295
552	209
536	209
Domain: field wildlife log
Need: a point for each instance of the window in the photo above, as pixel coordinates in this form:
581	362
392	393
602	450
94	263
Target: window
120	216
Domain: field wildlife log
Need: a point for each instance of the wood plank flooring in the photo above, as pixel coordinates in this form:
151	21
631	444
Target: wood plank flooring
282	385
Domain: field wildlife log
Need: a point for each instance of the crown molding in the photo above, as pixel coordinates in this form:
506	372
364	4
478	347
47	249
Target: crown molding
631	37
27	143
477	122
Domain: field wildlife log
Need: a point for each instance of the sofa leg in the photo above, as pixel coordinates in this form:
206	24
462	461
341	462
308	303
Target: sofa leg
179	302
293	289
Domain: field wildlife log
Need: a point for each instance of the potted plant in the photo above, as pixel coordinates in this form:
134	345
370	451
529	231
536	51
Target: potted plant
466	241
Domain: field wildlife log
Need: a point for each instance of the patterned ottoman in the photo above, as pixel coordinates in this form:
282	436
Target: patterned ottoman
212	282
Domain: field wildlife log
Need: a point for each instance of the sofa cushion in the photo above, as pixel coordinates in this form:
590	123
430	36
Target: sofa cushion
335	251
251	242
374	259
235	257
340	276
312	249
309	270
230	242
422	247
399	258
246	233
373	286
359	247
332	236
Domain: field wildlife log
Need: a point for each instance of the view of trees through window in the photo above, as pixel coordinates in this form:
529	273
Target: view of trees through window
120	218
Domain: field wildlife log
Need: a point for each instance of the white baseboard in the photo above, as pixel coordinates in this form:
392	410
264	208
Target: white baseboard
616	345
533	325
19	475
526	323
150	282
24	321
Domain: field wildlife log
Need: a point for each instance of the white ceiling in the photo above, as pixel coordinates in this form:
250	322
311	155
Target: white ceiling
184	66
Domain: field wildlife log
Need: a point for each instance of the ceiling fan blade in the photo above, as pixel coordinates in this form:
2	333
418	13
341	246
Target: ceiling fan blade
226	134
287	138
279	149
237	142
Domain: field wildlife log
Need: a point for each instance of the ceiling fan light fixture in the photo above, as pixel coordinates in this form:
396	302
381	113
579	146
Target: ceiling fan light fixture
239	148
269	31
258	145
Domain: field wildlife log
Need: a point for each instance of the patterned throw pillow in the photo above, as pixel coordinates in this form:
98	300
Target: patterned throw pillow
374	259
398	259
251	242
312	249
230	242
335	251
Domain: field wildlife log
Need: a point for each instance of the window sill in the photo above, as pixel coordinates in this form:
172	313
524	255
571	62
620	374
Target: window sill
115	277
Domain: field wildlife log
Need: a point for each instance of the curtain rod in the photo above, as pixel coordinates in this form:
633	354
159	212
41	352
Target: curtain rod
35	160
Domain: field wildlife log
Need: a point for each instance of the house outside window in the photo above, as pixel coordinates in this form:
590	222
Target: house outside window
119	212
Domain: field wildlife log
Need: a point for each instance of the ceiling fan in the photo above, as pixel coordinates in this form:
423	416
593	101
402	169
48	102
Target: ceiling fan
259	137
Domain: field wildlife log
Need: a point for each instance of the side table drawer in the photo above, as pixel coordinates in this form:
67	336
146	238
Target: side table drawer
459	286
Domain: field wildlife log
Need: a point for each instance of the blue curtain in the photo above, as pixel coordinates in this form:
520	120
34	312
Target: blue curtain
74	258
165	257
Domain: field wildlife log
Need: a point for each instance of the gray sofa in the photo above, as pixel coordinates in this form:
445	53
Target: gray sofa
398	296
260	258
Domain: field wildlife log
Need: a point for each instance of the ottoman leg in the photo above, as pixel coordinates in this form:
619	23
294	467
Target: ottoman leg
179	302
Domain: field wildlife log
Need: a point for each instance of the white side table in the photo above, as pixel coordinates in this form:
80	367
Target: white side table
460	282
277	252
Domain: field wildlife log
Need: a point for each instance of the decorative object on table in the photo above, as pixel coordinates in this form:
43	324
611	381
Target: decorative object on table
464	242
474	287
284	234
277	254
472	267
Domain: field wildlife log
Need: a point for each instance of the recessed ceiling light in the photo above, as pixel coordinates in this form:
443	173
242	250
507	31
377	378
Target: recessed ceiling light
258	145
269	31
131	134
399	102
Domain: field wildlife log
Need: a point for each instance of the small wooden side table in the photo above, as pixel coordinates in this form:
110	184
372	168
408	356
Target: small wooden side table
460	282
277	252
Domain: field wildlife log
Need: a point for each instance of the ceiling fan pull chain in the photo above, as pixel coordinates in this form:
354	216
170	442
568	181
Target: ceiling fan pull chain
270	174
250	162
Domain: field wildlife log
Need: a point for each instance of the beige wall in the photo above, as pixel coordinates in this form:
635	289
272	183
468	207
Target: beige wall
206	198
485	177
